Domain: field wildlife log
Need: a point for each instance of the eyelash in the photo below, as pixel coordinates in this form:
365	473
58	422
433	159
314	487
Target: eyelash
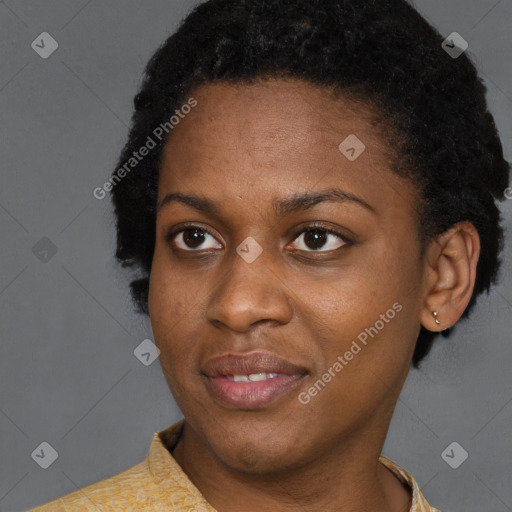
312	227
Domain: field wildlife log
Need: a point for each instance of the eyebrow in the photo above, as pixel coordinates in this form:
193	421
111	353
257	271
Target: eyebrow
297	202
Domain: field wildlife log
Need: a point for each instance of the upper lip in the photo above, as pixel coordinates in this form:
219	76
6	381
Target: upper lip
246	364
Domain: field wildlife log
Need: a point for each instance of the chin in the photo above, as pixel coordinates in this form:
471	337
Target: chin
252	459
256	451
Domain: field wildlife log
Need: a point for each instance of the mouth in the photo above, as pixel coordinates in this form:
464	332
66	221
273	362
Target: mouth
251	381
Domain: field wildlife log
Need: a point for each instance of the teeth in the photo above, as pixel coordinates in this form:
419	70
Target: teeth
253	377
241	378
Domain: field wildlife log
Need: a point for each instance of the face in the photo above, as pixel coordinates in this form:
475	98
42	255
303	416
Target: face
286	282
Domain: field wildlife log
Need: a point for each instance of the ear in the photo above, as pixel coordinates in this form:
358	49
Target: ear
450	274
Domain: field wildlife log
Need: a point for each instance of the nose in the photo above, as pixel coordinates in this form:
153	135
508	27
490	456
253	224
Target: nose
249	293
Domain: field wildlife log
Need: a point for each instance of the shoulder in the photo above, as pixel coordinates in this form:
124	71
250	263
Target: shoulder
157	483
418	501
125	491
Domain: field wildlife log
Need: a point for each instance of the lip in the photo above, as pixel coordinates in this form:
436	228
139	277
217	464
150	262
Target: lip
250	395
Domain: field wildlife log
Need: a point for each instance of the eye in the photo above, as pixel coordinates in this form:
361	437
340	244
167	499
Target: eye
191	238
316	237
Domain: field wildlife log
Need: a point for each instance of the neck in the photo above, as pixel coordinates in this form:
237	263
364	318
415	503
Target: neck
348	478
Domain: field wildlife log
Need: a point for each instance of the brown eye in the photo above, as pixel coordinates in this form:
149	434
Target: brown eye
191	238
316	238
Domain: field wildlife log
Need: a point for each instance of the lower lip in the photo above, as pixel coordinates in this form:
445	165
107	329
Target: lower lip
251	395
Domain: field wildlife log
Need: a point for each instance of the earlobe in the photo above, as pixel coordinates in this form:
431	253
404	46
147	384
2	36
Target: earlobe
451	266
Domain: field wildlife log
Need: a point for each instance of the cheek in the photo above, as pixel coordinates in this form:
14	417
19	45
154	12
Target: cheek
173	314
375	307
169	322
171	295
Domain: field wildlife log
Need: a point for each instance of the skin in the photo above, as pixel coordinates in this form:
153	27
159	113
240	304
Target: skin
243	147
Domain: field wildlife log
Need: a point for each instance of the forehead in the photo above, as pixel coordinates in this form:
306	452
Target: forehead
276	115
273	138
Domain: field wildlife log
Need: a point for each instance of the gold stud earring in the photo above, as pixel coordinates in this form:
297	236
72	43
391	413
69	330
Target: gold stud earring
435	316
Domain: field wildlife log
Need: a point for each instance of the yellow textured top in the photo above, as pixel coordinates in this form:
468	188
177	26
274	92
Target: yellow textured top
159	484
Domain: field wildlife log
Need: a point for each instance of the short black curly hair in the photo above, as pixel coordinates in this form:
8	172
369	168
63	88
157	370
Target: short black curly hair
380	51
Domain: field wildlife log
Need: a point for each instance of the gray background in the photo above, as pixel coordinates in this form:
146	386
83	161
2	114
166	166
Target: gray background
67	329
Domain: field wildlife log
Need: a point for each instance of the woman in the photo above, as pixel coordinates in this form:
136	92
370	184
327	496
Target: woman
309	208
